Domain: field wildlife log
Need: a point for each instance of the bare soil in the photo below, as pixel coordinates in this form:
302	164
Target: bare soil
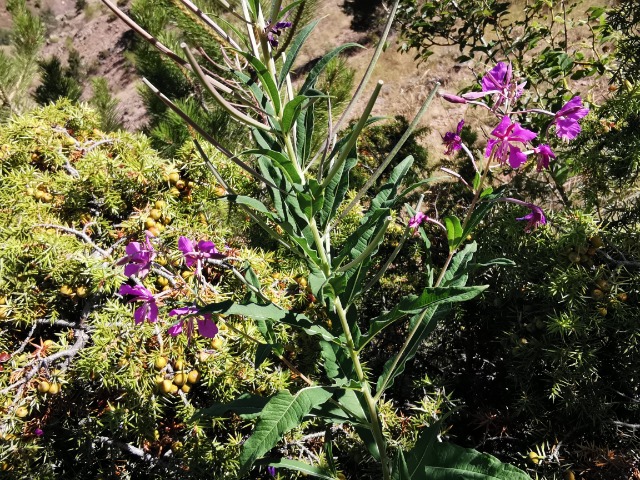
100	39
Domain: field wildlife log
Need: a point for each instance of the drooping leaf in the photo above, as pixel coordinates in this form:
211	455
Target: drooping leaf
269	312
282	413
280	160
250	202
400	471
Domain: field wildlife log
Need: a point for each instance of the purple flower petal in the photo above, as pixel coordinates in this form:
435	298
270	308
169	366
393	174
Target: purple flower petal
141	313
516	157
207	327
497	78
501	147
535	218
153	311
545	154
415	221
185	245
566	119
175	330
567	129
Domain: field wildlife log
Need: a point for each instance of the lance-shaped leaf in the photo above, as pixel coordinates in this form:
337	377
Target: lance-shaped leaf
280	160
319	67
268	312
395	366
294	50
358	241
413	304
458	271
282	413
291	111
454	232
337	363
246	406
259	95
266	79
446	461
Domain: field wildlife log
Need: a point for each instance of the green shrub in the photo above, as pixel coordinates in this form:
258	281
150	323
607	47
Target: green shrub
85	374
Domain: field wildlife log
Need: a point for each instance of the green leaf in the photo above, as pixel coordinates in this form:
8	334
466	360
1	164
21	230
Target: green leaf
487	191
400	470
282	413
294	50
302	467
458	272
446	461
283	11
428	322
261	98
319	67
454	232
337	364
269	312
304	133
283	162
266	79
246	406
250	202
413	304
336	191
291	111
476	181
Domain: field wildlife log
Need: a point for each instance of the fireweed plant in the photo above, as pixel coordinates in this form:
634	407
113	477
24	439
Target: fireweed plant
307	191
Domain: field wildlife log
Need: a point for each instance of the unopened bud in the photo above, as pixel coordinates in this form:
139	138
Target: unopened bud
452	98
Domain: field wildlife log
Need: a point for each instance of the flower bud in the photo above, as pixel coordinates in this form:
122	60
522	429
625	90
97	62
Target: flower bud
452	98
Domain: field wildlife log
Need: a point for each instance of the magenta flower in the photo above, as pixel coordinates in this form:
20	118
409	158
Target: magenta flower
206	326
502	146
417	220
38	432
195	254
534	218
148	309
566	119
272	471
499	81
545	154
452	140
138	258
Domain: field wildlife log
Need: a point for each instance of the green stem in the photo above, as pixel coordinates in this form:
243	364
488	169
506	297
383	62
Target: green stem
443	271
366	392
